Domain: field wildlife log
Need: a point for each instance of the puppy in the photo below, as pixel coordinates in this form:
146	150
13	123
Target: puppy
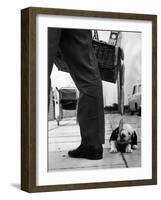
123	139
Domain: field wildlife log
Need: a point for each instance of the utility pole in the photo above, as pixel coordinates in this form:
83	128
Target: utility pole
115	40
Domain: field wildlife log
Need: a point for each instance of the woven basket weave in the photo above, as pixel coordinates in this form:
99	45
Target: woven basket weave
108	60
106	57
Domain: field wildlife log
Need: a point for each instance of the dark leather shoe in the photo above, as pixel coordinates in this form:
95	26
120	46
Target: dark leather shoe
89	152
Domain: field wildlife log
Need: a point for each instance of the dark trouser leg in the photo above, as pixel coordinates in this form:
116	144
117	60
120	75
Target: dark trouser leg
91	119
76	47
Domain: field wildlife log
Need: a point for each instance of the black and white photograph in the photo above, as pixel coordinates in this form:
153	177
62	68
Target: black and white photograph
89	117
94	99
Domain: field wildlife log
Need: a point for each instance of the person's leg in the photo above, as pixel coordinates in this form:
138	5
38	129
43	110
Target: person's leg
76	46
54	35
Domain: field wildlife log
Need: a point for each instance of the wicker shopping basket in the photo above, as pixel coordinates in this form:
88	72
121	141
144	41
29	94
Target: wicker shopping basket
109	59
108	56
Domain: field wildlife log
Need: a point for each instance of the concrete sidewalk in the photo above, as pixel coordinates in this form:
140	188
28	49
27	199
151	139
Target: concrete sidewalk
67	136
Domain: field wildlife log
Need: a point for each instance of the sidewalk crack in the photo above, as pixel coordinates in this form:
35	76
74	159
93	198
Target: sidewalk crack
124	160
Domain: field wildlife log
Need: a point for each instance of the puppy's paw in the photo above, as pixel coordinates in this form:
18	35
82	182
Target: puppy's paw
113	150
128	149
135	147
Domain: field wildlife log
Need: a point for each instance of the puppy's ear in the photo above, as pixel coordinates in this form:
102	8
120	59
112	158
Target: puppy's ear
134	138
114	135
121	123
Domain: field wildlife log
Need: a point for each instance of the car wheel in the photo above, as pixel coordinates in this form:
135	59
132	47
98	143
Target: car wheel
131	112
139	113
136	107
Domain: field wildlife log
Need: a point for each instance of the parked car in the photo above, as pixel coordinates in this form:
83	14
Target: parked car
135	99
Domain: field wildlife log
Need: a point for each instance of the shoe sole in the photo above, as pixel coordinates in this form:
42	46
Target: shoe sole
95	157
90	157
